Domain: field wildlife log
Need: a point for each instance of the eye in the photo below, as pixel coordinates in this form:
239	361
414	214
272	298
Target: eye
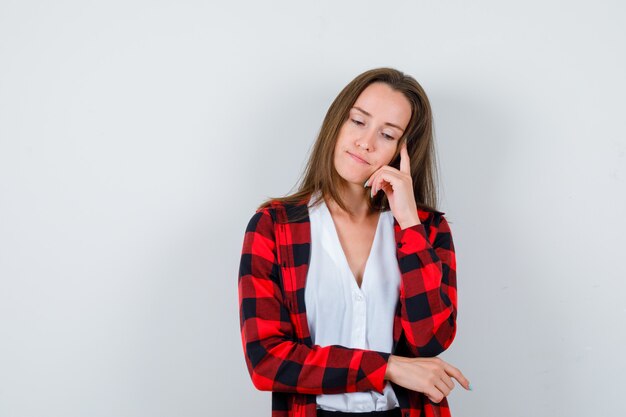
357	122
389	137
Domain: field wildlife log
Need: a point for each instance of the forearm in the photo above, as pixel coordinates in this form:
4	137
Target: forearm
428	288
290	366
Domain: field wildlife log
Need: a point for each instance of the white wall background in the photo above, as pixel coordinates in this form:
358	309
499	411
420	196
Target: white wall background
137	138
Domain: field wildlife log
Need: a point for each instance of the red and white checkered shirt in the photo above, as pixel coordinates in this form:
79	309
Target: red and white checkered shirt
278	350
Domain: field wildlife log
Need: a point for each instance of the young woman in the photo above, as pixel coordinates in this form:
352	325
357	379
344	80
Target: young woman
347	288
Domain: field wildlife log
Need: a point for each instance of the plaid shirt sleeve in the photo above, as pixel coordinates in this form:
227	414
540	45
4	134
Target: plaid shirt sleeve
275	359
428	294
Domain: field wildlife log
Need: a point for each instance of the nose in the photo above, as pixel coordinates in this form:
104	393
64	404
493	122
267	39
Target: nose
366	141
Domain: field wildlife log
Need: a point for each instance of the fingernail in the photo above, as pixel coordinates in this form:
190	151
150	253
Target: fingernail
470	387
365	185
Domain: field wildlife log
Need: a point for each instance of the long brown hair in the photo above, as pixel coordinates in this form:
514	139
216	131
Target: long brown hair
320	173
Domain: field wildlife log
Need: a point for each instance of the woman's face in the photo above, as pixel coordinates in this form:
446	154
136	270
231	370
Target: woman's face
369	138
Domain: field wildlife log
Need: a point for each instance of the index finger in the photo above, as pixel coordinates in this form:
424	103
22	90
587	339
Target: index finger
405	163
458	375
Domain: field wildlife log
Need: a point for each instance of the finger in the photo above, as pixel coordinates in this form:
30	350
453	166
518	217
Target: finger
448	381
382	184
370	180
443	387
405	163
457	374
370	183
374	183
384	176
434	394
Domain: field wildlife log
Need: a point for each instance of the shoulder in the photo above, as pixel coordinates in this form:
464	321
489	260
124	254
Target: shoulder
277	211
271	208
262	221
287	212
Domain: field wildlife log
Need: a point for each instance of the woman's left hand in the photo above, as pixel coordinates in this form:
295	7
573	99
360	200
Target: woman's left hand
398	186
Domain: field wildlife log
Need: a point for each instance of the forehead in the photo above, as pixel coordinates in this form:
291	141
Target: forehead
385	103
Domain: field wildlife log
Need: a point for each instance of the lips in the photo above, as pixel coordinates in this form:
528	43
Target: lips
358	159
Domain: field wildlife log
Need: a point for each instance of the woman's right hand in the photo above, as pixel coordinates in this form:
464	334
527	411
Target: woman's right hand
431	376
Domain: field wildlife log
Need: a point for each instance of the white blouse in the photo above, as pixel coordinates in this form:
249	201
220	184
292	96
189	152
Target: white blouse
339	312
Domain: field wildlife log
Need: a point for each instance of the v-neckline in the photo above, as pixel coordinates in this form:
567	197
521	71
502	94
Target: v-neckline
344	259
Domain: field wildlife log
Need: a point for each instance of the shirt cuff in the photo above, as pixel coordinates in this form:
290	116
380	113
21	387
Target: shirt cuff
412	239
374	366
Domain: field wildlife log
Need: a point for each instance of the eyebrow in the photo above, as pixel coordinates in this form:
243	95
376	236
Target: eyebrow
387	123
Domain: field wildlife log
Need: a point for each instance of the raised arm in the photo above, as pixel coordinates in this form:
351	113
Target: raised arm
275	359
428	294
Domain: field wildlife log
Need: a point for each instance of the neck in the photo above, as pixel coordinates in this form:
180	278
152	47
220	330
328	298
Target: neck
356	200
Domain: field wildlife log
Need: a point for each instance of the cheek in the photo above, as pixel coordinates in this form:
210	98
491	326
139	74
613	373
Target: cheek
391	153
342	136
395	155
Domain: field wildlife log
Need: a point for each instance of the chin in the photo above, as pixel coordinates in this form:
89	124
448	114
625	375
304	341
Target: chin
353	179
351	175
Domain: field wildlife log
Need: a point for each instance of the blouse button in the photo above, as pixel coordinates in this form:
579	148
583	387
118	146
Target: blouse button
399	245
